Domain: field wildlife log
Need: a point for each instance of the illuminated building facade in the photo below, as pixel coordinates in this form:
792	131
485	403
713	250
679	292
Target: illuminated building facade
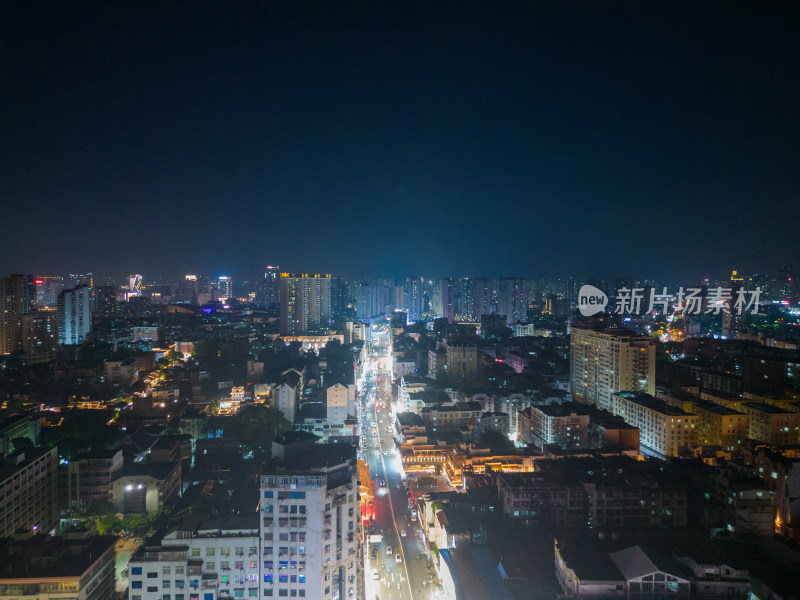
17	295
74	315
310	525
305	303
29	493
663	429
607	361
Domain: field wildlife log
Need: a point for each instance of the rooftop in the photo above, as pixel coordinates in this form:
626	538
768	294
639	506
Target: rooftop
766	408
46	556
714	407
654	404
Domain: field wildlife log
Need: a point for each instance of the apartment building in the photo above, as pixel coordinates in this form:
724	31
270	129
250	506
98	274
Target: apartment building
663	429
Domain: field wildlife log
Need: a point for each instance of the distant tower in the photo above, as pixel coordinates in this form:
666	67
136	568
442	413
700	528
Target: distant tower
74	315
106	300
305	303
17	296
134	285
268	290
448	302
224	288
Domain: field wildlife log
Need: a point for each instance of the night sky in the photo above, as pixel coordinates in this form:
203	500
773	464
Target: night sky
644	139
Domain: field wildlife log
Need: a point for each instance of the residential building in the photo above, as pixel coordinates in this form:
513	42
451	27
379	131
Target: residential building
512	300
74	315
461	362
412	298
121	372
47	290
611	492
145	487
106	300
523	330
780	472
771	424
606	361
559	424
17	297
340	402
663	429
458	414
40	335
309	524
29	492
87	478
64	567
719	425
497	421
213	555
305	303
288	392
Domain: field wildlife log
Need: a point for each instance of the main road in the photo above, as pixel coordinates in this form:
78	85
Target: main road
392	510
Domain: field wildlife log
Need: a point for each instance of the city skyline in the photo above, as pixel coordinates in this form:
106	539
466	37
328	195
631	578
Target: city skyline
390	300
589	140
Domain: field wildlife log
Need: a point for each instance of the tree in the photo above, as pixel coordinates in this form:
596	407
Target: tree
256	426
496	441
107	524
21	444
85	429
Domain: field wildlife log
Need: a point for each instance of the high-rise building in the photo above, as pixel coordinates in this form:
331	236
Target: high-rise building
268	288
135	286
40	335
374	298
512	301
106	301
461	361
786	284
305	303
17	295
188	289
76	279
47	290
224	288
446	299
481	298
29	493
607	361
731	321
212	556
310	524
74	315
412	298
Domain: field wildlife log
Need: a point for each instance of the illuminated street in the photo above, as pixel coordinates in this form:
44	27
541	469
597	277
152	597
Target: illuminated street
412	577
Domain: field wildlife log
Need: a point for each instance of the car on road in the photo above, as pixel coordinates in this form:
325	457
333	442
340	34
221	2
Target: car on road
398	558
388	550
402	533
383	483
375	574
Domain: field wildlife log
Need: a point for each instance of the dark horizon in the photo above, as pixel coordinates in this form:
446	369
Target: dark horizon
654	140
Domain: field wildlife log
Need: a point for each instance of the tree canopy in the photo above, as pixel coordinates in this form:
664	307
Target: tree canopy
496	441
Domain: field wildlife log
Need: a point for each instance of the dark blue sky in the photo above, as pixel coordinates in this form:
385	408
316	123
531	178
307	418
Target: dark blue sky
596	139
